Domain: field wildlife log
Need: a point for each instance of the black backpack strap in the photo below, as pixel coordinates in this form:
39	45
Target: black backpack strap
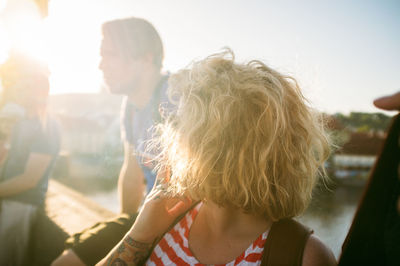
285	243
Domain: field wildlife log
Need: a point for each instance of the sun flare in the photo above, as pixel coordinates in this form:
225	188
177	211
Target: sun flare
68	48
22	28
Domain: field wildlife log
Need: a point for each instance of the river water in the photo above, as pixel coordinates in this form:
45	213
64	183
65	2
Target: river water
329	214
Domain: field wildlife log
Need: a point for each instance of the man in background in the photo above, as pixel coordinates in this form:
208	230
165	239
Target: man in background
131	61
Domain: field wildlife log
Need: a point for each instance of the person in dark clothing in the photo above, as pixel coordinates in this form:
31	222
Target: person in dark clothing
35	142
374	235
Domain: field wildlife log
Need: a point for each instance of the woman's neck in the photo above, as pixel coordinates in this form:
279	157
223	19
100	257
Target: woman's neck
219	235
232	222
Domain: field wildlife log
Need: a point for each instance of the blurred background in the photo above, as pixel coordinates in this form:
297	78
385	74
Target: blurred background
343	53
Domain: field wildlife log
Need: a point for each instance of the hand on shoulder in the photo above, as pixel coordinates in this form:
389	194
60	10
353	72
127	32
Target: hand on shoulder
158	213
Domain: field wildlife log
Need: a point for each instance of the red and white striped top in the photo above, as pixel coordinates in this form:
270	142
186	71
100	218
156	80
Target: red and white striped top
173	249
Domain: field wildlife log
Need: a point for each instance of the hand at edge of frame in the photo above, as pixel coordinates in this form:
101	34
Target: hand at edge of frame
389	102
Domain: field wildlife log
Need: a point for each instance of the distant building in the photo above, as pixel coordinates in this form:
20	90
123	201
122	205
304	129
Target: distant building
357	156
89	122
91	145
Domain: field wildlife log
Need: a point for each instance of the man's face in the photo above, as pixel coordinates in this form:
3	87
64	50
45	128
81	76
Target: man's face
121	74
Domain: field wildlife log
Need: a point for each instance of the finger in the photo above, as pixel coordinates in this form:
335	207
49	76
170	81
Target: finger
163	176
391	102
167	174
156	194
161	187
180	207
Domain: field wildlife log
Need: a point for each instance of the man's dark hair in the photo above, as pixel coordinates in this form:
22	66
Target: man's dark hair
135	37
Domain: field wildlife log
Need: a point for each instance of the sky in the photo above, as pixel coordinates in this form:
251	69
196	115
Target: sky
343	53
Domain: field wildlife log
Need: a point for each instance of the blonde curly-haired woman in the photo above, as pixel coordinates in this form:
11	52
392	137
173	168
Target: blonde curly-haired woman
238	160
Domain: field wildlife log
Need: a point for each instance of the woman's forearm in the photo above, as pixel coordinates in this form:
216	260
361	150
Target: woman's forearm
128	252
158	213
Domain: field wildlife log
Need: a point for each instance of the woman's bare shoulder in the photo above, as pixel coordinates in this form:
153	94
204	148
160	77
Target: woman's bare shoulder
317	253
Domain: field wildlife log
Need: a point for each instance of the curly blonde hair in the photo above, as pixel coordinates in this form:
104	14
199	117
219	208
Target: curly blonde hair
243	137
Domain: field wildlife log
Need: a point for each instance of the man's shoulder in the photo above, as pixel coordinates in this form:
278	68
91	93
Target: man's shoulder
165	104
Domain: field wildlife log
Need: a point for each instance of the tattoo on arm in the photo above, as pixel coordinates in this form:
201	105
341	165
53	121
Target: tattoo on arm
129	252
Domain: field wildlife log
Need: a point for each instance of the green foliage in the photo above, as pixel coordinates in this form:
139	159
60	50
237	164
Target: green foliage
364	122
